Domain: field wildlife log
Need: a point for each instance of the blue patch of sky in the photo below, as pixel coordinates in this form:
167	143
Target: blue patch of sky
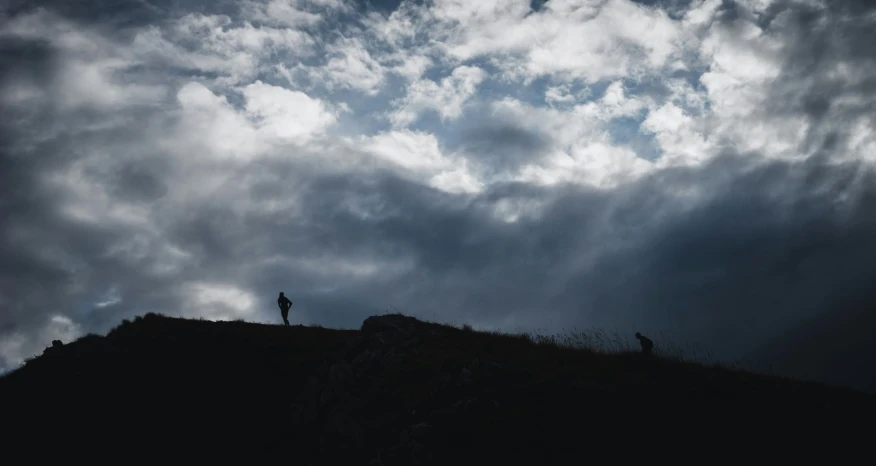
207	7
532	94
626	132
388	6
675	9
655	87
595	91
692	77
536	5
658	88
430	121
234	98
436	72
368	116
383	6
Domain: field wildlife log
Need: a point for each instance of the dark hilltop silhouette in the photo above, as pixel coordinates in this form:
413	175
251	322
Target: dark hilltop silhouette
400	391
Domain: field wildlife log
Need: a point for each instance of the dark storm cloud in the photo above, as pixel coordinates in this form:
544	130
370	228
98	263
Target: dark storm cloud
499	146
137	183
26	204
674	8
26	60
830	70
383	5
121	14
52	264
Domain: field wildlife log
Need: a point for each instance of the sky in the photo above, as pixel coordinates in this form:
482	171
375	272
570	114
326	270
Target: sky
701	171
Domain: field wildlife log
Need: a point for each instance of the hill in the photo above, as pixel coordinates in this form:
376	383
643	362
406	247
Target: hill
402	392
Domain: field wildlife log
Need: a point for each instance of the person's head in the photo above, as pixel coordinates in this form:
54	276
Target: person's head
281	293
638	335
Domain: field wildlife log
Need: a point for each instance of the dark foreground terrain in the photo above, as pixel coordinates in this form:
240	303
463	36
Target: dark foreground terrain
402	391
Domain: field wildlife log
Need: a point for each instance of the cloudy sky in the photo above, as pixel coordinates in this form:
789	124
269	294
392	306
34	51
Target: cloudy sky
697	169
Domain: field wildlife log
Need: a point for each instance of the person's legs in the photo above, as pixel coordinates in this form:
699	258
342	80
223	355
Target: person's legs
285	313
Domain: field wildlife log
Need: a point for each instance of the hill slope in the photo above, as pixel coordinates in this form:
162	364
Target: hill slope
402	391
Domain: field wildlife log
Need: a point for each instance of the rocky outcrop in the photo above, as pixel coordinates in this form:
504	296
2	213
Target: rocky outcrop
56	344
390	323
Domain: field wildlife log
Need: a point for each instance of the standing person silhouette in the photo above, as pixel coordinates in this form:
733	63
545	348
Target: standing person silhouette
284	304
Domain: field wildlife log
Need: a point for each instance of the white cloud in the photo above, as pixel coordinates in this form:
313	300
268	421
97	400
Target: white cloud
333	269
412	150
458	179
616	104
350	67
568	39
563	95
218	301
446	98
701	13
288	13
622	39
284	114
744	63
412	67
213	43
568	125
583	152
210	127
862	140
110	298
678	134
417	156
595	163
93	85
150	253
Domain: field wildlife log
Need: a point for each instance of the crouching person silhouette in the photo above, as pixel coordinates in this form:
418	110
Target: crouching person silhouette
646	343
284	304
